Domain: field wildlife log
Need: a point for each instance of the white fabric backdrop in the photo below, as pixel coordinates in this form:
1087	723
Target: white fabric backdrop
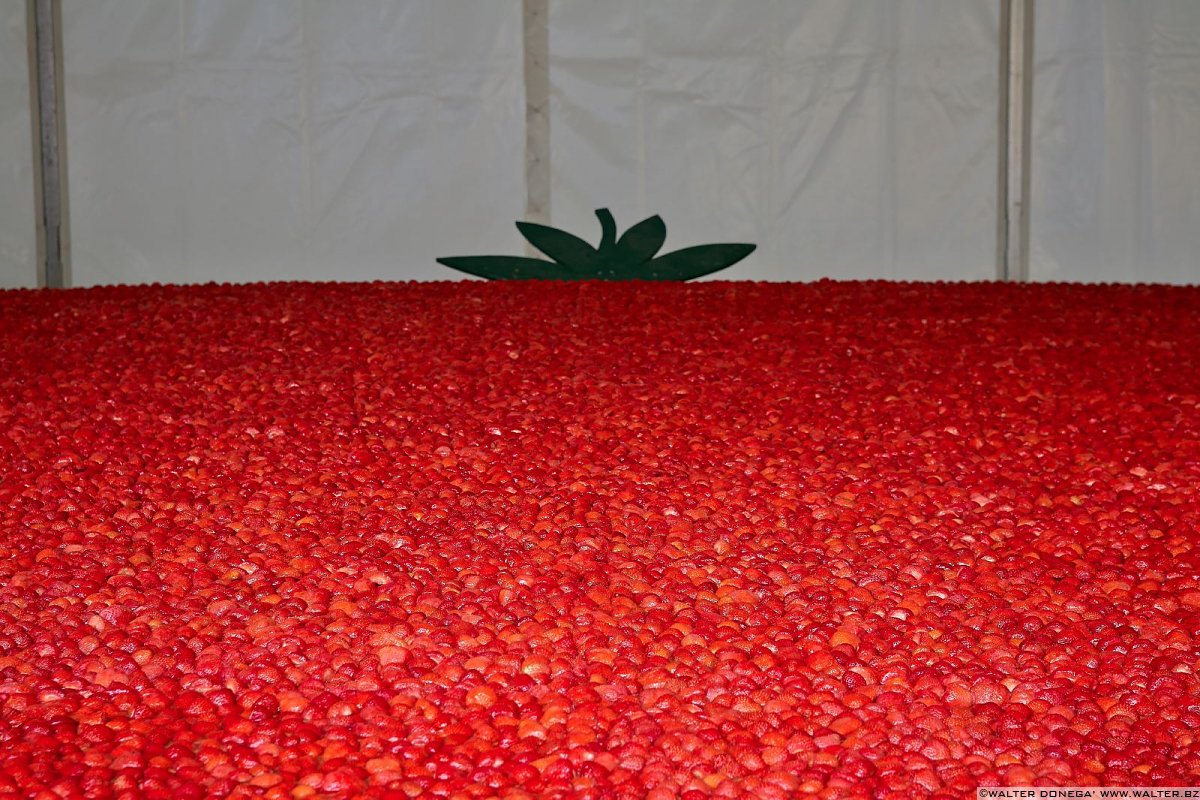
18	234
847	139
280	140
291	139
1116	141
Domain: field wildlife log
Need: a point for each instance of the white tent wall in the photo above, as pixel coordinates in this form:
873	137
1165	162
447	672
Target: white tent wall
848	139
18	231
300	139
1116	141
228	140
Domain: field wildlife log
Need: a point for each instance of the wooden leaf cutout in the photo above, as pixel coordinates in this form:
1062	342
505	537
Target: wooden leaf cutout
632	257
563	247
608	230
692	262
643	241
513	268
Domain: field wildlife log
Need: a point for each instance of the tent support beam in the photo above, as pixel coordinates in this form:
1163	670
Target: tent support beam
1016	95
49	141
536	20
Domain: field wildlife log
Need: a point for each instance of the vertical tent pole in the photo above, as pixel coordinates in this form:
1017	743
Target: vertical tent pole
1016	94
537	111
49	142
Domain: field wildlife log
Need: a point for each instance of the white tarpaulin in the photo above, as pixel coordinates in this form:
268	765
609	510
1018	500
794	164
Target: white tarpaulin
1116	141
847	139
18	239
302	139
228	140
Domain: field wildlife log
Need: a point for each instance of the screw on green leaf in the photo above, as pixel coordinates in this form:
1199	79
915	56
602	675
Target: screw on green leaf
631	257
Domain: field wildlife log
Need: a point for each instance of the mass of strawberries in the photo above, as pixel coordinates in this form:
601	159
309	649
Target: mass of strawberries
585	540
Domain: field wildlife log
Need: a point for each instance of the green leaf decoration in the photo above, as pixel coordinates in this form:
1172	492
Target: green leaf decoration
643	241
608	229
692	262
631	257
563	247
514	268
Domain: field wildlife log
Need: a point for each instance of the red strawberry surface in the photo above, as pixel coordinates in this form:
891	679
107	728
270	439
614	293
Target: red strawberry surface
583	540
